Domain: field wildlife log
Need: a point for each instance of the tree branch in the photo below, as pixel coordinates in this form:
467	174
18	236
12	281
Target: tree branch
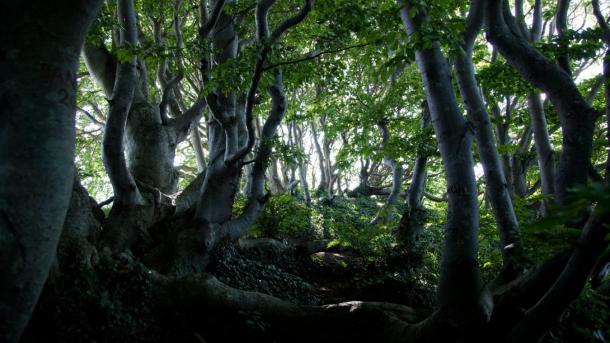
601	21
183	124
262	12
315	54
167	94
209	25
102	66
236	228
123	183
290	22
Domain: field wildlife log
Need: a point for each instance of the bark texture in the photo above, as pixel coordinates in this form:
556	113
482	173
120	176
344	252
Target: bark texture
495	180
41	43
460	292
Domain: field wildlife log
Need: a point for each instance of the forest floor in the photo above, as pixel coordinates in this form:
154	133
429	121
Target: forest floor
328	277
116	301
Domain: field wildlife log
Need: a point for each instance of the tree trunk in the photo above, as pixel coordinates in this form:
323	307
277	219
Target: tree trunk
568	286
212	221
39	64
151	136
520	163
321	161
131	212
199	154
544	151
331	177
384	213
503	139
298	133
80	229
460	291
413	218
576	116
495	181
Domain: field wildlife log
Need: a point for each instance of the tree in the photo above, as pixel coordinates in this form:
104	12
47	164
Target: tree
460	290
40	64
497	190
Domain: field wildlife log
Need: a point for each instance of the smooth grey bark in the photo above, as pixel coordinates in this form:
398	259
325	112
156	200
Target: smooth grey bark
298	134
520	162
412	220
41	43
238	227
503	139
102	66
321	160
123	183
365	188
212	221
561	25
331	176
495	181
601	21
576	116
151	134
363	176
383	215
546	312
460	290
190	195
542	142
544	151
131	211
228	165
199	154
276	183
221	179
151	145
516	164
81	227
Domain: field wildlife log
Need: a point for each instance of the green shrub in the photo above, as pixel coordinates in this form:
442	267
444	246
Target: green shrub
284	216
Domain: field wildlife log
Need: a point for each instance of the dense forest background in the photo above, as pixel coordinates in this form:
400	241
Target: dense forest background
300	171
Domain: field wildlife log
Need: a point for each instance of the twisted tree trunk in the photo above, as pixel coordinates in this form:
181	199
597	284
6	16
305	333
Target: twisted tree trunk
575	114
413	218
495	181
461	300
384	214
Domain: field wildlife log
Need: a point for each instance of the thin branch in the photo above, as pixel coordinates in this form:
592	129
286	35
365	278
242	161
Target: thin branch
315	54
290	22
123	183
262	33
435	198
90	116
105	202
205	30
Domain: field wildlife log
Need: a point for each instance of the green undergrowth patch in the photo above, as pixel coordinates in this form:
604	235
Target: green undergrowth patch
345	222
